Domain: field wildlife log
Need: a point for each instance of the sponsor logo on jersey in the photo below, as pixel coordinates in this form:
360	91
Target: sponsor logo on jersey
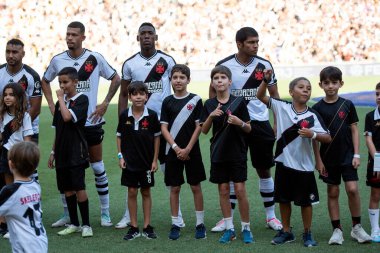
76	64
154	87
83	86
248	94
30	198
245	71
148	64
160	68
11	81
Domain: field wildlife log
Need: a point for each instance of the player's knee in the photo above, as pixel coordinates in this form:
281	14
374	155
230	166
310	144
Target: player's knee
175	189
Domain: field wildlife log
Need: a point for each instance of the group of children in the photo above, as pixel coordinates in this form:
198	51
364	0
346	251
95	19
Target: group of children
331	122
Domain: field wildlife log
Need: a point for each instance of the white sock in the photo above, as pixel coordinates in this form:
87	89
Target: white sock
176	221
126	214
101	184
266	186
374	219
229	223
200	217
179	205
64	203
246	226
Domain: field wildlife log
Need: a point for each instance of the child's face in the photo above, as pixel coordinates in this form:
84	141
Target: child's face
179	82
9	97
138	99
301	92
378	97
221	82
67	84
331	87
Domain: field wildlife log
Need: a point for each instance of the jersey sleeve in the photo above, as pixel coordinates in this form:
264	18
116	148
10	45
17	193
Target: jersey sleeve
319	125
156	125
205	111
51	71
27	129
105	70
121	123
126	73
55	118
78	108
164	119
352	116
197	111
368	124
34	89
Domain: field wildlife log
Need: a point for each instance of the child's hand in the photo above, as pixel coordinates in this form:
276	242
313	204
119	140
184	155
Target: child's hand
306	133
217	112
267	75
183	154
122	163
356	162
233	120
321	168
59	93
376	174
51	160
154	166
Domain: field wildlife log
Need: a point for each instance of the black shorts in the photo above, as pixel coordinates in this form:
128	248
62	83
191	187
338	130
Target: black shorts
4	166
35	138
228	171
371	180
194	169
71	178
94	135
137	179
294	185
261	141
335	174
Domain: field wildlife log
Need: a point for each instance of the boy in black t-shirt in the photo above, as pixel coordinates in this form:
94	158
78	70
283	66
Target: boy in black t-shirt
138	141
69	153
340	158
229	118
180	115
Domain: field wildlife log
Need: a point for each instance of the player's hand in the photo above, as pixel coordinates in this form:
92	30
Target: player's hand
97	115
217	112
59	93
321	169
268	74
306	132
183	154
376	174
122	163
154	166
233	120
51	161
356	162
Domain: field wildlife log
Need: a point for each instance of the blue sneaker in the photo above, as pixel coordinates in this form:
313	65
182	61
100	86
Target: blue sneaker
228	236
247	236
308	240
200	231
283	237
174	232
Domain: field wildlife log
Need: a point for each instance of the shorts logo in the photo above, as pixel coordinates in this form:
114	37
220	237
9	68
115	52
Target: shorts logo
88	67
149	176
190	107
312	196
145	124
160	68
341	114
259	75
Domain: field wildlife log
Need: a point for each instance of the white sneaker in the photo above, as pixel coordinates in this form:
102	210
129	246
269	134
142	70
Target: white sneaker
375	236
6	236
359	234
70	230
65	219
337	237
105	220
274	224
123	223
219	227
87	231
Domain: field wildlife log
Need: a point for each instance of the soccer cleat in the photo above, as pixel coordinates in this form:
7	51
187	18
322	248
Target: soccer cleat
308	240
358	234
70	229
337	237
247	236
274	224
228	236
87	231
65	219
149	233
6	235
200	231
283	237
219	227
375	236
174	232
123	223
105	220
132	233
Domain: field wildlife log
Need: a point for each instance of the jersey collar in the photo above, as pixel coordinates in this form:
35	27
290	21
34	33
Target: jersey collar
22	67
245	65
149	57
68	54
376	116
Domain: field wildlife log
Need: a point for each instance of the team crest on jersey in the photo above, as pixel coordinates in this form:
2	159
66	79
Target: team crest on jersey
88	67
259	74
23	84
72	103
190	107
145	124
341	114
306	123
160	68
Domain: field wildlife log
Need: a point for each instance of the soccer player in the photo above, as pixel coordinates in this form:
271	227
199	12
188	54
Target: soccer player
340	158
90	66
152	67
180	115
247	73
372	137
20	202
294	179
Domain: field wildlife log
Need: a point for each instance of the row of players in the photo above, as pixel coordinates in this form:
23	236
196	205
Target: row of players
245	62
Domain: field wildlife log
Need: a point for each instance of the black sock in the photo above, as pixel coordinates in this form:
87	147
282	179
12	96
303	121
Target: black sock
336	224
84	212
356	220
72	206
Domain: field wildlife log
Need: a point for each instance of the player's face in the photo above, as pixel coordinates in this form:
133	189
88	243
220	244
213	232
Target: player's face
221	82
301	92
331	87
74	38
9	97
147	37
14	54
138	99
67	84
249	47
378	97
179	81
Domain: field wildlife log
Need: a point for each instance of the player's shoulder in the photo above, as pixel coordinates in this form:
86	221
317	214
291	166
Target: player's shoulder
8	191
128	60
59	56
262	59
152	113
225	60
3	66
31	71
165	55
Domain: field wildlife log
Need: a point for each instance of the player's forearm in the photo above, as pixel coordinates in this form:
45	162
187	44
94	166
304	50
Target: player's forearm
207	125
194	138
355	138
66	115
323	138
115	84
370	145
261	93
35	107
47	92
118	144
123	96
167	136
156	147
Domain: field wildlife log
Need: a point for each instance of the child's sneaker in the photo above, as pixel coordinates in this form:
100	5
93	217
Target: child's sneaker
308	240
70	229
274	224
283	237
200	231
359	234
132	233
337	237
87	231
65	219
228	236
105	220
375	236
174	232
123	223
149	233
219	227
6	235
247	236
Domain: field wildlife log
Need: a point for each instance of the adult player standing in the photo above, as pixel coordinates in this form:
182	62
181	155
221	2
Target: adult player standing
247	74
90	66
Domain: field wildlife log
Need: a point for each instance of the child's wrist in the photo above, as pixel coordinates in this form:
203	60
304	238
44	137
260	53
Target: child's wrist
119	155
174	146
357	156
314	135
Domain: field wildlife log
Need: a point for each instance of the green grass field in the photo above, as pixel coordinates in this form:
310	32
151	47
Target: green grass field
111	240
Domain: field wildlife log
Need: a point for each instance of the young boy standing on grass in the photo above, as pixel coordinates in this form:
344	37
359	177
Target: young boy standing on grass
69	153
340	158
372	138
297	126
228	116
138	141
180	115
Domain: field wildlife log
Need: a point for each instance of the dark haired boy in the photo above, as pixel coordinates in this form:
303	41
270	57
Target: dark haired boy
340	158
69	152
180	115
138	141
